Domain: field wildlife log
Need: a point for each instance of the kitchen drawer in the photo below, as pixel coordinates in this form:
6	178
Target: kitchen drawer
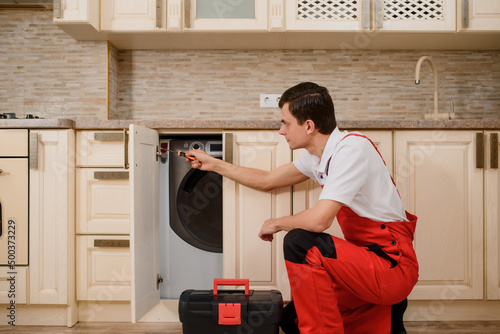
103	268
101	149
13	289
103	201
14	143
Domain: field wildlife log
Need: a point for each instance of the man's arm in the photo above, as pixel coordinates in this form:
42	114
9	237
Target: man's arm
282	176
315	219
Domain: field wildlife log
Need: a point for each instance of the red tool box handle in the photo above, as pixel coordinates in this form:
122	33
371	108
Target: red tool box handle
229	281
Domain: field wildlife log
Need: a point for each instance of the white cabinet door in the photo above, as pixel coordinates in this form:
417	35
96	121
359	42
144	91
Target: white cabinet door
144	234
78	18
349	15
101	149
479	15
422	15
306	194
438	181
387	15
492	216
52	201
227	15
103	270
103	199
245	210
133	15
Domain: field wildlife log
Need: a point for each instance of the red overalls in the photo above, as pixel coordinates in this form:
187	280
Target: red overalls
351	285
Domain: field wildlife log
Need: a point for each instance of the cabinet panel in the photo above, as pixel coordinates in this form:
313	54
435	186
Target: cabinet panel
103	199
492	215
246	209
227	15
327	15
103	270
133	15
439	182
479	15
13	285
52	219
424	15
101	149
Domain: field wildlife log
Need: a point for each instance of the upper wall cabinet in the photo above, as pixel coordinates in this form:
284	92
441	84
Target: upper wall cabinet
78	18
387	15
478	15
133	15
227	15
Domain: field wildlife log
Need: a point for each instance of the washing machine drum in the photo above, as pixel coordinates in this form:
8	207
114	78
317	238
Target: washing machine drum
199	207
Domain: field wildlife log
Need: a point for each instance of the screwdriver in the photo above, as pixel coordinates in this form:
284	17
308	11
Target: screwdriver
182	154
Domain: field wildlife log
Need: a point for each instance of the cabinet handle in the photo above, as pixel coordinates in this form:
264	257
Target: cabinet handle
228	148
106	136
465	13
366	14
56	8
187	14
111	175
479	150
33	155
494	150
111	243
379	14
158	13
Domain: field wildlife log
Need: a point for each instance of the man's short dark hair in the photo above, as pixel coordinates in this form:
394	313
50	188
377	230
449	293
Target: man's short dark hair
308	100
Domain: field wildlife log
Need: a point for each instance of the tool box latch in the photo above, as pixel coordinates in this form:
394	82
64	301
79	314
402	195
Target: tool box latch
229	314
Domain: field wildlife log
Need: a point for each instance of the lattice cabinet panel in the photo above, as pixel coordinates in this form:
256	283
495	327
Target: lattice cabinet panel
390	15
326	14
415	15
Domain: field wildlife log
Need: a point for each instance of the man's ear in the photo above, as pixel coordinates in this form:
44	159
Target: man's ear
310	126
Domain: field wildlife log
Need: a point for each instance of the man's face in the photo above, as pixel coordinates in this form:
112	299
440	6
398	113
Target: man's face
291	130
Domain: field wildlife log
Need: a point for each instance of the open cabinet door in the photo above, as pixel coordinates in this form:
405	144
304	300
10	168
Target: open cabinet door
144	230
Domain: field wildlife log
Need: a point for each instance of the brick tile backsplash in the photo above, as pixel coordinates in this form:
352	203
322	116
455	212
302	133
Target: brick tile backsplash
45	72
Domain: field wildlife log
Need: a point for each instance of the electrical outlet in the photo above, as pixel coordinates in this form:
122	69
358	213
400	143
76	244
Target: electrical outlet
269	100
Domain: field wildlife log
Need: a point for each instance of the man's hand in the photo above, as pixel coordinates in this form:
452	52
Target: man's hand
202	161
268	229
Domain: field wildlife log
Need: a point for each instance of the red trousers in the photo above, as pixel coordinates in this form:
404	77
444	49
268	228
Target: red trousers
351	286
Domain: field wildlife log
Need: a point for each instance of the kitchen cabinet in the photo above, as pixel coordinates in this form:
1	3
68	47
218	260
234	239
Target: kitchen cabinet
225	15
102	212
492	215
378	15
51	214
103	201
436	175
13	289
478	15
118	241
103	268
133	15
244	210
78	18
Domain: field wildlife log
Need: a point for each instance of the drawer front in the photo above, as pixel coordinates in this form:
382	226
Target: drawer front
101	149
103	268
103	201
14	143
13	285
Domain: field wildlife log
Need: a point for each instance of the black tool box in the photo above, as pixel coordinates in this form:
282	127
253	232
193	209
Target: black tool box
230	311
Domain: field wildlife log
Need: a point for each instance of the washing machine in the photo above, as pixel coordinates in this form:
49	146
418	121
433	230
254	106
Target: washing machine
190	217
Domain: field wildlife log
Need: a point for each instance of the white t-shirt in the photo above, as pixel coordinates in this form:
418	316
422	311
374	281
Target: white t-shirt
353	173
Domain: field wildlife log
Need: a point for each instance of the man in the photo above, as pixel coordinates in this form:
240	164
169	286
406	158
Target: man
356	285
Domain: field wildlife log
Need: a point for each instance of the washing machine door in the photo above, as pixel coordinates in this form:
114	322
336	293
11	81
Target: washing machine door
199	208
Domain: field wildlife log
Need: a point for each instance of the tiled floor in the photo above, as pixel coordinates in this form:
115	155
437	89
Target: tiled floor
458	327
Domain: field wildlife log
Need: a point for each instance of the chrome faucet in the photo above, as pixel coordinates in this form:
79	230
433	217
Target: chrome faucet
434	72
